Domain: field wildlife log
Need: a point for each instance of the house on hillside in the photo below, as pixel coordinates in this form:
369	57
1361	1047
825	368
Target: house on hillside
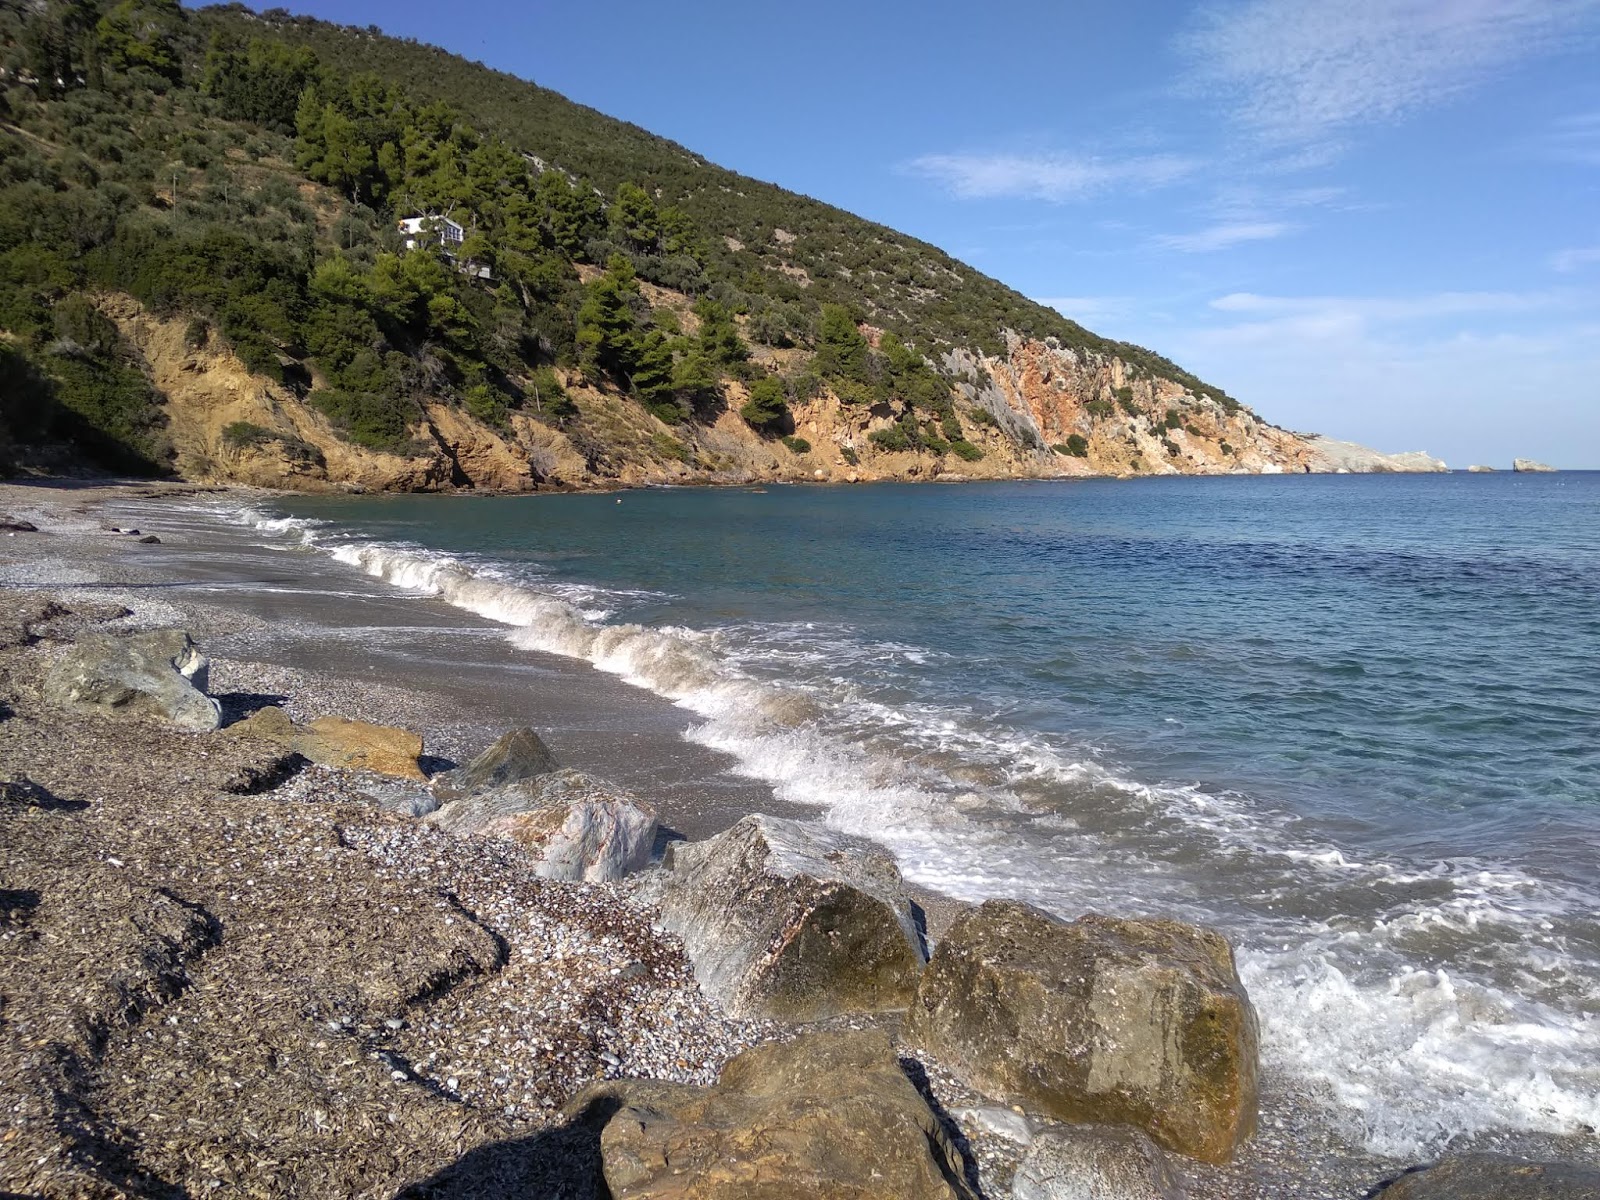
435	229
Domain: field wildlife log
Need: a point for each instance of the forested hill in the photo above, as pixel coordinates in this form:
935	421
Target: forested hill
245	175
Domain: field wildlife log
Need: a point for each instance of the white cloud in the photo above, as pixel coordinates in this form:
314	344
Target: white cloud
1220	237
1298	70
1087	310
1390	308
1047	176
1574	258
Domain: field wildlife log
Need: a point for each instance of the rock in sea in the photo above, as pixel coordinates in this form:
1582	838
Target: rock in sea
579	826
789	920
1101	1020
160	674
829	1114
1095	1162
1528	465
1496	1177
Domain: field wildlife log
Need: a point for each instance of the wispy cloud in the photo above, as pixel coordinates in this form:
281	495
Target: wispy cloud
1265	319
1574	258
1574	140
1300	70
1087	310
1220	237
1047	176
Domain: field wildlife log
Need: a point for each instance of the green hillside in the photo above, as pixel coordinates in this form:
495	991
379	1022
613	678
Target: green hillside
247	173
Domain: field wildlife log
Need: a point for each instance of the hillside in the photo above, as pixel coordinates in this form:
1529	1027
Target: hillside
203	270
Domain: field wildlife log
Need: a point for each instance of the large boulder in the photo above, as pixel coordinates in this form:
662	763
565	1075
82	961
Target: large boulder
828	1114
578	826
1101	1020
159	675
789	920
1529	466
1496	1177
1094	1162
516	756
340	742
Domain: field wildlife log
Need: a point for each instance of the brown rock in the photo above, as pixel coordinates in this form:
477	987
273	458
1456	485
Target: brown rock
340	743
518	755
826	1115
1495	1177
1102	1020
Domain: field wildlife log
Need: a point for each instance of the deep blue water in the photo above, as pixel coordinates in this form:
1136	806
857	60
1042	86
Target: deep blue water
1352	720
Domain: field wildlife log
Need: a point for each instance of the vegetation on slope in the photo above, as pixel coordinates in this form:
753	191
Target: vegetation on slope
248	172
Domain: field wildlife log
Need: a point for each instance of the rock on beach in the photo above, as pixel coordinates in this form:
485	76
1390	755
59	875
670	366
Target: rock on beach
1095	1162
829	1114
340	742
1496	1177
578	826
515	756
160	674
1100	1020
787	920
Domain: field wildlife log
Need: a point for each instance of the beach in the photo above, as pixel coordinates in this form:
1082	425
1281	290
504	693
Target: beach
503	1023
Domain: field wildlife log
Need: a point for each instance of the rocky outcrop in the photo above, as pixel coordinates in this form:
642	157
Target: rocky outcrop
159	675
1495	1177
1347	458
827	1114
518	755
1100	1020
1529	466
578	826
1480	469
1095	1162
788	920
340	743
1040	410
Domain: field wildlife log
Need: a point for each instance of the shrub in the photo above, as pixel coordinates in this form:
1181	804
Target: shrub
1076	446
243	434
1173	420
1099	408
668	446
964	449
849	455
982	417
767	408
1225	448
797	445
891	438
196	333
1125	401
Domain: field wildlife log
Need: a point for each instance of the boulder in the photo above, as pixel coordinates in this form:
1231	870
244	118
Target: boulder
828	1114
1095	1162
1496	1177
10	524
786	919
160	674
1101	1020
518	755
578	826
1480	469
150	539
1529	465
340	742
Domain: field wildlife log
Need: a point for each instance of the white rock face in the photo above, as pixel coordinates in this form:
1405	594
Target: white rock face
1529	465
1332	455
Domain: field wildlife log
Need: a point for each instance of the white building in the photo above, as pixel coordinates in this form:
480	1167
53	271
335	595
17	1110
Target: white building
441	231
444	232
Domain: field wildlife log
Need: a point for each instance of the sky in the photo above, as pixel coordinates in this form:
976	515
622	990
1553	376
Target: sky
1376	219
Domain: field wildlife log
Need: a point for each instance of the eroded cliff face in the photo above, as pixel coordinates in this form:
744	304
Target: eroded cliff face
1042	411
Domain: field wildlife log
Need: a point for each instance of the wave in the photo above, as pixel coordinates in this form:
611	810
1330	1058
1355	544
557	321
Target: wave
1352	965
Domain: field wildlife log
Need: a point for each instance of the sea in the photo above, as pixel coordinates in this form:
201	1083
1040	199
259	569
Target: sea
1351	721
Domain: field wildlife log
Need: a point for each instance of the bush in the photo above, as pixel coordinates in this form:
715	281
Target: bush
850	456
196	333
797	445
1125	401
891	438
767	408
1076	446
244	434
965	450
1099	408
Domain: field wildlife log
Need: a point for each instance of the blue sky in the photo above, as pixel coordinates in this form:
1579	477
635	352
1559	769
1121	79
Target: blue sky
1378	219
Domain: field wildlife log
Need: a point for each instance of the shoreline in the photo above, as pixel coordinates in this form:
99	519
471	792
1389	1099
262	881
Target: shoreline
274	640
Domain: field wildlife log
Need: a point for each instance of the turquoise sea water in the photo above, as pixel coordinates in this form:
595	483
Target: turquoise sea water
1352	721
